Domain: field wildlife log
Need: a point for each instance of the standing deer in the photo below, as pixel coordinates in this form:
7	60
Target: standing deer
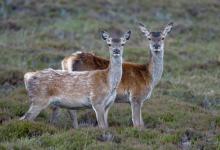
137	80
93	89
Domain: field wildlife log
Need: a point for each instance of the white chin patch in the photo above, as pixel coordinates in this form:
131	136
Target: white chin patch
157	50
116	54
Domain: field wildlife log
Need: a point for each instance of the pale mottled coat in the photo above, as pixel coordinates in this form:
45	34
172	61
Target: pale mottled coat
93	89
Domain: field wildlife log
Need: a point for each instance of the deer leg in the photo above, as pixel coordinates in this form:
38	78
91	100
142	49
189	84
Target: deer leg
32	113
106	116
106	111
141	120
136	114
73	117
55	114
100	116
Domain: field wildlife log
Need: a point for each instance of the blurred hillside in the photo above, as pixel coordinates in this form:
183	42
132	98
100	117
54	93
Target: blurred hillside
184	110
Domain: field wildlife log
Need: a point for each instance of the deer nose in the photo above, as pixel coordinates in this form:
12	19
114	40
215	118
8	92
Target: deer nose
156	46
116	51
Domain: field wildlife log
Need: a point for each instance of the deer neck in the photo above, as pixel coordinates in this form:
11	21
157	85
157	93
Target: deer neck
156	66
114	72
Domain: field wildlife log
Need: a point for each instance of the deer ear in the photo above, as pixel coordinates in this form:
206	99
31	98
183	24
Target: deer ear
143	29
127	35
167	29
105	35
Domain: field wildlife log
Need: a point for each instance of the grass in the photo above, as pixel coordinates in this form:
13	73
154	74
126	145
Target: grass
18	129
185	106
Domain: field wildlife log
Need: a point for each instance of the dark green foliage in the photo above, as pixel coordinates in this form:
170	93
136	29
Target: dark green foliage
12	107
167	117
18	129
151	121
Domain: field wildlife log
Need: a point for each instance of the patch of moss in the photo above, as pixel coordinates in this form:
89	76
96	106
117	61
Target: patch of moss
167	117
144	136
151	121
170	138
13	108
17	129
73	139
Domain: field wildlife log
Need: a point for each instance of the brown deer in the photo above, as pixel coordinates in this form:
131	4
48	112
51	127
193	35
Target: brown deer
138	80
88	89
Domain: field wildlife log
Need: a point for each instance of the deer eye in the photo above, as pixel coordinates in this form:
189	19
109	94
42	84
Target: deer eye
162	38
122	44
109	44
149	38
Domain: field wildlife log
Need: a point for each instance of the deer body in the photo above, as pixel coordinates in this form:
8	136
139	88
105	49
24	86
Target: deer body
136	77
89	89
70	90
138	81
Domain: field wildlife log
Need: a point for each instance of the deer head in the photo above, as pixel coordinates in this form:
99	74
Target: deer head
156	39
116	45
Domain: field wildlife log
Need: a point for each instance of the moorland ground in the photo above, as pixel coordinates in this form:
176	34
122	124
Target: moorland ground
184	108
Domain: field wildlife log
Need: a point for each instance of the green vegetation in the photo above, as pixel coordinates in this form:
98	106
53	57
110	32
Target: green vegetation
18	129
184	107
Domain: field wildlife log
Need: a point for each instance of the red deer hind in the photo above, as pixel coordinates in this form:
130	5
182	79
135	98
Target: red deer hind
94	89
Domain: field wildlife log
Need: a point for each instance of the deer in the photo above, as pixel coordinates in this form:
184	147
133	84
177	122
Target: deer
138	80
94	89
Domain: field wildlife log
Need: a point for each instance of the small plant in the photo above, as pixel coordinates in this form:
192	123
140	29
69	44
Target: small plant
170	138
167	117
